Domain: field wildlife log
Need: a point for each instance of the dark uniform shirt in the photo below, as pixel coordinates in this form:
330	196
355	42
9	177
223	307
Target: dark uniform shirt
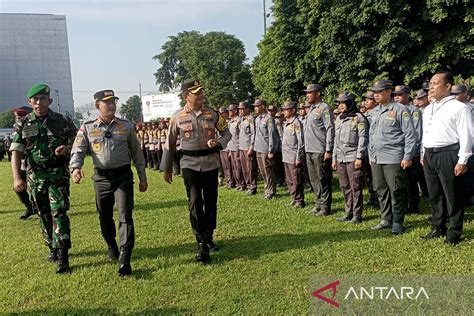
38	138
293	141
111	145
319	129
391	136
195	130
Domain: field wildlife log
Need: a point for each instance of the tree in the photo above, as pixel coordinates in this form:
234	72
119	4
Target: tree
217	59
132	109
347	45
7	119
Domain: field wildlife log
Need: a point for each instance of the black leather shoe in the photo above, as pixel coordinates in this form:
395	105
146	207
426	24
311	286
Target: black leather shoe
434	233
125	269
452	240
63	261
344	219
251	192
210	242
53	255
299	205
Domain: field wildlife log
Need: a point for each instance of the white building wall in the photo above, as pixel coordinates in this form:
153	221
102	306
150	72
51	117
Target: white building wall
34	49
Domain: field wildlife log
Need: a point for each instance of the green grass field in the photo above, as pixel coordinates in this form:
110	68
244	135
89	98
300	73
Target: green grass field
269	252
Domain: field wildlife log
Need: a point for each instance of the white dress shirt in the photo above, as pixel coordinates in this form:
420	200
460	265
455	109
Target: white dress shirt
448	122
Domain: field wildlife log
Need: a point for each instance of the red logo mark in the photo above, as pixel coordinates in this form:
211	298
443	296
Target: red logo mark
331	286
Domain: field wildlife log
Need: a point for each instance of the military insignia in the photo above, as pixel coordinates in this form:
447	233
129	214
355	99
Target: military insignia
187	134
119	126
221	123
79	140
97	147
107	93
416	116
361	125
209	133
406	116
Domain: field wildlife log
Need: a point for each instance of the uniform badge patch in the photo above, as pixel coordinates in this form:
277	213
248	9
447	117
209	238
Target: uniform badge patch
406	116
79	140
416	116
361	125
97	147
221	123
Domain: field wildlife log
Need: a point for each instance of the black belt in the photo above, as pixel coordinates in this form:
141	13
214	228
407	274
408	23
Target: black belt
452	147
112	172
199	153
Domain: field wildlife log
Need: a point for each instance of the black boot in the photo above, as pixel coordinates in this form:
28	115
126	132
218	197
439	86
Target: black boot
63	261
27	214
113	251
125	268
210	242
202	254
53	255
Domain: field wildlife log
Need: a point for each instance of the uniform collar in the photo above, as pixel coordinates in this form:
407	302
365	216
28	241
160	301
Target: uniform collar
99	121
290	120
444	100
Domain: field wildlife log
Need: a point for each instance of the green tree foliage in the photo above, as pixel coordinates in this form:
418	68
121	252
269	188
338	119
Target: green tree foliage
7	119
349	44
132	109
215	58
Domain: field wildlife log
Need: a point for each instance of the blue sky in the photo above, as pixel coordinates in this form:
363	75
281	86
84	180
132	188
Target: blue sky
112	42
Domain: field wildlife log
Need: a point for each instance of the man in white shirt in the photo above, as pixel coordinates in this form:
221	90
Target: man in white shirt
447	146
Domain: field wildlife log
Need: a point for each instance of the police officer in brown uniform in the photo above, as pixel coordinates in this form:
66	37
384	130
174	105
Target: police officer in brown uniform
350	148
248	158
197	125
293	154
265	143
233	147
113	145
226	163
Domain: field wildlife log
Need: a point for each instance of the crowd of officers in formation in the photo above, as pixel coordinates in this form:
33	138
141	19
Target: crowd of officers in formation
397	147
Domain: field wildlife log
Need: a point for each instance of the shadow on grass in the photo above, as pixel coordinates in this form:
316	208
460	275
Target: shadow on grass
160	205
254	247
105	311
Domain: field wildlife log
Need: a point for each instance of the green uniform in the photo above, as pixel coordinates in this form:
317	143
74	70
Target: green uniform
47	174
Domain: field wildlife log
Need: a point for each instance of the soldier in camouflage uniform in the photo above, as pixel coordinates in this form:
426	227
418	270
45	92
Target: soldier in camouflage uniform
46	138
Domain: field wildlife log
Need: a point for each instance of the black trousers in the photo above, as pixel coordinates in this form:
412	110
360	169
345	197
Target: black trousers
320	175
201	189
445	190
116	186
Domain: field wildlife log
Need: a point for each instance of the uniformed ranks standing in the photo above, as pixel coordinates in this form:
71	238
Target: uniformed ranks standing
45	138
265	143
293	154
319	143
248	158
350	148
112	144
391	146
196	124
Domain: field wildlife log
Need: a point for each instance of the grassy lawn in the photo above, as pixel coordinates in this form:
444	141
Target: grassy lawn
269	252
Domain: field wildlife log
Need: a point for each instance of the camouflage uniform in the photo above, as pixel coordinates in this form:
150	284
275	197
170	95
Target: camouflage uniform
47	174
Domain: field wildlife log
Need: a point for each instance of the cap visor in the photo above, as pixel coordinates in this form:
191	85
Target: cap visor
195	89
110	97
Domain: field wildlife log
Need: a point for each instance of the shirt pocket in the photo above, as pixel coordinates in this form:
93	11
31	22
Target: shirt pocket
187	131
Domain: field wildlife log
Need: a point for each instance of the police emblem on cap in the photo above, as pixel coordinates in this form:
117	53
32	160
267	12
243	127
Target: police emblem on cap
46	90
107	93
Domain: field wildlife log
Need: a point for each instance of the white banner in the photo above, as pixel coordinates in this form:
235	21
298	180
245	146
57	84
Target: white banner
160	105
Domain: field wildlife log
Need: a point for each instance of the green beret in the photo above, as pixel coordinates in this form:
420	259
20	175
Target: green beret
36	89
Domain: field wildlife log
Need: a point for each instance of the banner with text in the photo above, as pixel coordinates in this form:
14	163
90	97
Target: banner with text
160	105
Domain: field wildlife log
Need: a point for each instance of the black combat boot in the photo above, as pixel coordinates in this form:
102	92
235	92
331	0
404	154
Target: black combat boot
27	214
210	242
202	254
63	261
125	268
53	255
113	251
